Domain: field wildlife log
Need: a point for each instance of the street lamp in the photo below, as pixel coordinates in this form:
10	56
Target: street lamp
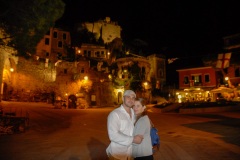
227	80
85	78
145	84
179	98
110	76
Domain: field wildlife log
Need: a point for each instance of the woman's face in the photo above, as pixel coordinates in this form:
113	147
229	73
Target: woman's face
138	108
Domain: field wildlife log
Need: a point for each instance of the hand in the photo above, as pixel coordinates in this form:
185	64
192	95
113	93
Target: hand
138	139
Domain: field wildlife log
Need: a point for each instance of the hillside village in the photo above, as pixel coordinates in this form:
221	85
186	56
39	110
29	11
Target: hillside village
95	74
88	74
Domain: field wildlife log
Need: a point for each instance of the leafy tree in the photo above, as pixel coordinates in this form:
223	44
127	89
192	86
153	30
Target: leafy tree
115	48
136	83
25	22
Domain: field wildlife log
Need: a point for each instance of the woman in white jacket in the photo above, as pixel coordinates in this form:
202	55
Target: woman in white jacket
142	126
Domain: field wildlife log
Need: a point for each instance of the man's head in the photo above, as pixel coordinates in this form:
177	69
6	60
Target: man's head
130	93
129	98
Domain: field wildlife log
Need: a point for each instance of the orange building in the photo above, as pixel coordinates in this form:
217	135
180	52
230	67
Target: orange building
195	84
206	84
53	45
202	77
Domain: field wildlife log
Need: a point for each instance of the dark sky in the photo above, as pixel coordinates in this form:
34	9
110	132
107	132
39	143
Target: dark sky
179	27
176	28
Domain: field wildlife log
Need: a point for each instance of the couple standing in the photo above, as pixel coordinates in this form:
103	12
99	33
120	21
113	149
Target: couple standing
129	130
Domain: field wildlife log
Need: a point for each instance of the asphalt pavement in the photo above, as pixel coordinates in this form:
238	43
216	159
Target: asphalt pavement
80	134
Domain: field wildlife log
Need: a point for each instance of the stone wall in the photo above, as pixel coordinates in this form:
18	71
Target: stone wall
31	77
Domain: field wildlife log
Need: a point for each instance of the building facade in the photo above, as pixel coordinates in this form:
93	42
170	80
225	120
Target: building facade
158	70
202	77
106	29
232	45
195	84
53	46
207	84
48	72
92	51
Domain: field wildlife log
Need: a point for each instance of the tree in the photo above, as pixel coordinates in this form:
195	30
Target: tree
115	48
136	83
23	23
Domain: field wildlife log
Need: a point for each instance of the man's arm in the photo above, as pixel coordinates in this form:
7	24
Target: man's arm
138	139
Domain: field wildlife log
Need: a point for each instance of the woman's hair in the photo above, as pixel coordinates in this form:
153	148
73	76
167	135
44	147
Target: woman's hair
143	103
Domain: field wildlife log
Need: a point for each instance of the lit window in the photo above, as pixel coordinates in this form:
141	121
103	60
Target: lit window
197	78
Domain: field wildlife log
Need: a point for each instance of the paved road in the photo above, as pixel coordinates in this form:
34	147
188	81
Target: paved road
68	134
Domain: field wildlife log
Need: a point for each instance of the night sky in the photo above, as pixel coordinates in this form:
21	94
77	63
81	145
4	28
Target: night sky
186	29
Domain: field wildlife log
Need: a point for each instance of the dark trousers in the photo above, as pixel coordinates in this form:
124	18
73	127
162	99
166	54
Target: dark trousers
144	158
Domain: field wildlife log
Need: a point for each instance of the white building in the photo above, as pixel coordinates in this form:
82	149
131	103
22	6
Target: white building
106	28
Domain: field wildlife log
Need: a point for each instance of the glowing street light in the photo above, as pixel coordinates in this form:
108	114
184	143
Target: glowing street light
85	78
228	81
145	84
